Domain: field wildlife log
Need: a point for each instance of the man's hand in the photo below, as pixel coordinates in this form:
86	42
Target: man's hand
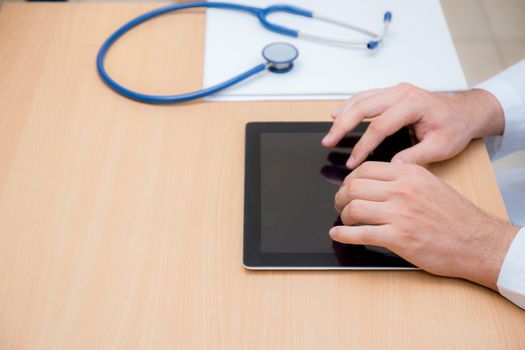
444	124
406	209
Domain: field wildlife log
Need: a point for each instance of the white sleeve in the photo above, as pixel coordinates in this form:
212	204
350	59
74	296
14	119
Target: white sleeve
511	280
509	88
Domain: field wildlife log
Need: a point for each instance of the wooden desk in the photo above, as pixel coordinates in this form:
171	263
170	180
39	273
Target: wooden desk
121	223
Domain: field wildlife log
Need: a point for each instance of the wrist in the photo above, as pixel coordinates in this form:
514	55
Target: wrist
484	111
493	246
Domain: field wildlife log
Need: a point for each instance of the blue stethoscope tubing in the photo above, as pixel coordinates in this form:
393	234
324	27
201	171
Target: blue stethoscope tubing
260	13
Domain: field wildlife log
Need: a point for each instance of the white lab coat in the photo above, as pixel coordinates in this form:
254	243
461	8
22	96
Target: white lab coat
509	89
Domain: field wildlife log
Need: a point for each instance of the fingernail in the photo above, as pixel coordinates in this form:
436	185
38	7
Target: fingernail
350	162
333	232
327	138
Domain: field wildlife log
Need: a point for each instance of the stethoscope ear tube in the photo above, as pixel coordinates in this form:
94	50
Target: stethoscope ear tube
370	44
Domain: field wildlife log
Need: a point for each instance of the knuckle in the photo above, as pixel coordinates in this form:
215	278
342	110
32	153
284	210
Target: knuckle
367	165
409	186
376	126
361	169
393	233
359	95
413	96
355	208
348	215
340	199
405	86
352	189
346	218
413	169
347	179
337	200
337	123
404	236
407	214
403	191
358	108
411	157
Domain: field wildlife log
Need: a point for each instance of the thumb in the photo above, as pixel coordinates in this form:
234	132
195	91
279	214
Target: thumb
422	153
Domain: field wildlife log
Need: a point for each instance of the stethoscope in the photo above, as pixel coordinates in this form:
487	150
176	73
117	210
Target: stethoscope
279	56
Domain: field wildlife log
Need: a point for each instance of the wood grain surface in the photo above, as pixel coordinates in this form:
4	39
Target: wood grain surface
121	223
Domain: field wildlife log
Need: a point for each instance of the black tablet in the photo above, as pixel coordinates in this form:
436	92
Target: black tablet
290	183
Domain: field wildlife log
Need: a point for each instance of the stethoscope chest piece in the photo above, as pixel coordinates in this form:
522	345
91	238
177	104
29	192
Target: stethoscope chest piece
280	57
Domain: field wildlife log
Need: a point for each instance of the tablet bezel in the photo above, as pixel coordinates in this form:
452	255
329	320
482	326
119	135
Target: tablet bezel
253	257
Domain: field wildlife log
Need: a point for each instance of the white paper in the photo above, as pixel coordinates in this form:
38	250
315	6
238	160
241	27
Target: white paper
418	49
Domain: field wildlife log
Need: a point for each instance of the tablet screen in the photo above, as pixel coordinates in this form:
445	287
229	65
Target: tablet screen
291	181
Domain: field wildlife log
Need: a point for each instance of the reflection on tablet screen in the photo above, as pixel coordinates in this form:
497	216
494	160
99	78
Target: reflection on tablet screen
299	179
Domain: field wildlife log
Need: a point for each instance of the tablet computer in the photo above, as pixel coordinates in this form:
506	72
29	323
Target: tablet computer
290	184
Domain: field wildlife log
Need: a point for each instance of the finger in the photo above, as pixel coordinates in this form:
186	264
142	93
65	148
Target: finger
374	171
335	113
350	116
353	114
370	190
401	114
361	97
361	211
427	151
366	234
352	100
